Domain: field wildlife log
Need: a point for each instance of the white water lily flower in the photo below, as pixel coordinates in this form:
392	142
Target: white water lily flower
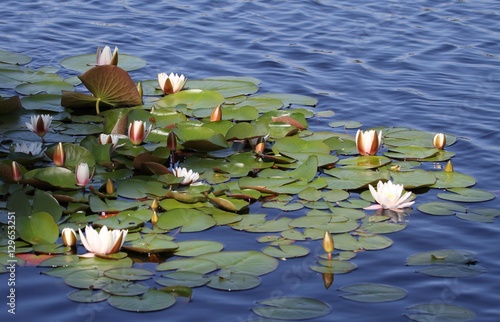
39	124
32	148
138	131
389	196
68	236
190	176
103	243
82	174
172	83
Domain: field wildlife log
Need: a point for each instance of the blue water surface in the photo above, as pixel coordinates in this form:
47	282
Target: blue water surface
429	65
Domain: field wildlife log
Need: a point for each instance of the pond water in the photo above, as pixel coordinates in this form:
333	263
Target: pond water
432	66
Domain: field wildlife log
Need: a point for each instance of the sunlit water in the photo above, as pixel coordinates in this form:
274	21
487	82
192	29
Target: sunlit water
429	65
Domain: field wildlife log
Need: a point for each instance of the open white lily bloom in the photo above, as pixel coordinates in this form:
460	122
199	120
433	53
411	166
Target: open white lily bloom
172	83
190	176
103	242
39	124
389	196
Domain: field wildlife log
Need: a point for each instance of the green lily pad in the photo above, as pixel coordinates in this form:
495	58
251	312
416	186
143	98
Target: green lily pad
440	312
448	180
453	270
87	279
365	162
440	208
334	267
196	265
54	176
198	247
129	274
373	293
290	99
8	57
292	308
286	251
88	296
413	179
245	262
441	257
346	124
39	228
234	282
353	179
122	288
151	244
81	63
48	87
184	278
411	152
192	99
479	215
43	102
152	300
466	195
228	87
189	220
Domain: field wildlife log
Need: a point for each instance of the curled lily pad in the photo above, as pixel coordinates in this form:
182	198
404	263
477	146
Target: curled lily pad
292	308
152	300
373	293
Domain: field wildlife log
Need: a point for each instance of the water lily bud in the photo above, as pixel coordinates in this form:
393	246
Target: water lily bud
260	146
105	57
110	187
15	171
139	88
439	141
216	114
154	217
449	167
172	141
68	237
328	244
59	155
137	132
368	142
155	204
82	174
327	279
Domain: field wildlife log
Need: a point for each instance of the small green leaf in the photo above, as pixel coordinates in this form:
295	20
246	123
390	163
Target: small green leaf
373	293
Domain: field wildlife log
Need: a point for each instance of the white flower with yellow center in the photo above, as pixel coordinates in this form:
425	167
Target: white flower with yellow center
390	196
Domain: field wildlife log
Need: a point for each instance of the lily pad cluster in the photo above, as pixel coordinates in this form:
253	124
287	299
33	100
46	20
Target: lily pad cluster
258	158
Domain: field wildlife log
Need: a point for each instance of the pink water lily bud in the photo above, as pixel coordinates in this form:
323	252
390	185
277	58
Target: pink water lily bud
82	174
104	242
172	83
137	132
439	141
39	124
68	236
368	142
59	155
105	57
15	171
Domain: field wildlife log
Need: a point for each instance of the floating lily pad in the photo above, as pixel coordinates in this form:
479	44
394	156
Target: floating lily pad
373	293
292	308
184	278
129	274
466	195
234	282
122	288
8	57
196	265
88	296
226	86
447	180
190	220
334	267
286	251
152	300
439	208
198	247
440	312
245	262
39	228
87	279
479	215
81	63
